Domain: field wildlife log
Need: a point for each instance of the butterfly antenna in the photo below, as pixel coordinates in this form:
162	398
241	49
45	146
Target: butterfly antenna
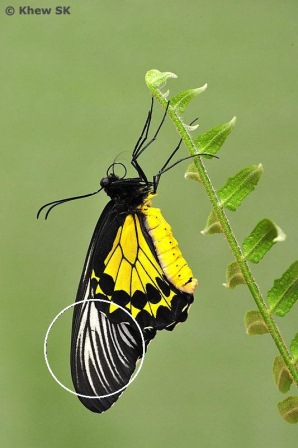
53	204
167	167
142	142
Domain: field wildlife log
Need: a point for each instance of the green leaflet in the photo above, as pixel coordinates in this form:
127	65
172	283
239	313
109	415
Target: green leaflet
238	187
192	173
254	323
294	348
281	374
181	100
261	239
211	141
289	409
234	276
212	226
284	292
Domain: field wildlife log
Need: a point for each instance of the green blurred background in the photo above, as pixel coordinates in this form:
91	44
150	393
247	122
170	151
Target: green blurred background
72	98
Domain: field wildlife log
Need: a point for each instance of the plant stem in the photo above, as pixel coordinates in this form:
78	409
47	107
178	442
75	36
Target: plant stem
227	230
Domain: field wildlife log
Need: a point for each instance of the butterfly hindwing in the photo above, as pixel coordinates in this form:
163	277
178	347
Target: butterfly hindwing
132	277
104	357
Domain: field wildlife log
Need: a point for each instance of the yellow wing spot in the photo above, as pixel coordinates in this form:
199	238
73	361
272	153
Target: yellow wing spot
124	273
113	262
134	311
128	240
113	307
136	283
115	245
94	276
98	290
153	307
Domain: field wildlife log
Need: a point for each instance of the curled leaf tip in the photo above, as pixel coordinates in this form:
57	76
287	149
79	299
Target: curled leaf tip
212	226
192	176
234	276
192	173
254	323
281	374
281	236
199	90
289	409
156	78
191	128
233	122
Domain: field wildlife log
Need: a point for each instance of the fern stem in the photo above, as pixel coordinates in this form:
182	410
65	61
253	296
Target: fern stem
230	236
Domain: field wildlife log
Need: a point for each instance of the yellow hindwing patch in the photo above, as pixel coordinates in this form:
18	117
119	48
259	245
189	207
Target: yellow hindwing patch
134	269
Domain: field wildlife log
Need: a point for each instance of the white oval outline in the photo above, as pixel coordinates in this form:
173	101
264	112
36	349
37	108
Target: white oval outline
93	396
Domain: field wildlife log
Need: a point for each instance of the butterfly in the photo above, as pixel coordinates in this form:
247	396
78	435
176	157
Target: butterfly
133	261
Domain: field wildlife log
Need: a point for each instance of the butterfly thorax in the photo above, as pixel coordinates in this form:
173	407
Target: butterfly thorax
131	192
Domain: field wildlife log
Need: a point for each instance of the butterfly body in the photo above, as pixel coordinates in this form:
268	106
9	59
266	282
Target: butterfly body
133	261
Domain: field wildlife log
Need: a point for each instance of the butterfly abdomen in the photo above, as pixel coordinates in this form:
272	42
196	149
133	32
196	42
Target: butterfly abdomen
169	255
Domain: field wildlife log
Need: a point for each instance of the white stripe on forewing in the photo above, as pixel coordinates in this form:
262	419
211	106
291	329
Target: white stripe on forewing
88	356
109	338
86	296
83	323
86	353
95	328
102	334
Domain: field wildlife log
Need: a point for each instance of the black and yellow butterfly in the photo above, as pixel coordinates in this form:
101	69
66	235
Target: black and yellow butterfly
134	261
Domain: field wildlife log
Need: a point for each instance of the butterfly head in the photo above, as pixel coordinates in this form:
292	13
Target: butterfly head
130	191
